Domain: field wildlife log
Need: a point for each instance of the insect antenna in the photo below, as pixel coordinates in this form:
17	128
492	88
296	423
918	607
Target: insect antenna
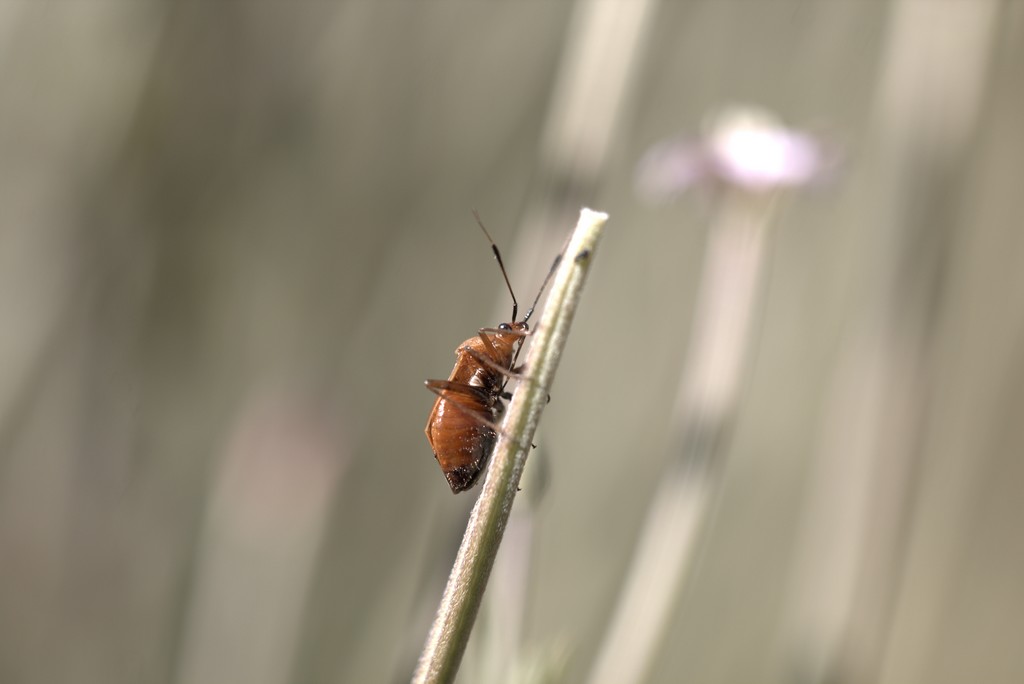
501	264
554	267
551	272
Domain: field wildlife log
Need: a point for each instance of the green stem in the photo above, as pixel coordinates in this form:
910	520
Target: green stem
448	637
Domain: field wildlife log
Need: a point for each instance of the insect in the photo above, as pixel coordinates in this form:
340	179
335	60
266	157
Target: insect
462	427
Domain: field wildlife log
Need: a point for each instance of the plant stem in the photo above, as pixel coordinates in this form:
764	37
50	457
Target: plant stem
450	633
728	303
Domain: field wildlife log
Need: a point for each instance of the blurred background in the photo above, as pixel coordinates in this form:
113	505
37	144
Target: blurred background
235	238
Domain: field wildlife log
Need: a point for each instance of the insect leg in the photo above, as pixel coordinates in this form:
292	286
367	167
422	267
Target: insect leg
487	343
441	387
499	331
517	333
489	362
450	391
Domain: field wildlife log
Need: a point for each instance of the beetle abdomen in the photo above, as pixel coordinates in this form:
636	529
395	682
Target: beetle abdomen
462	448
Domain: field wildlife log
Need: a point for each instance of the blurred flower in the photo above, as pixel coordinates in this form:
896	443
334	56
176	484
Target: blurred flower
745	148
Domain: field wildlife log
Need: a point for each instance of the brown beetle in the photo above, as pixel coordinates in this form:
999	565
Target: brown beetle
463	426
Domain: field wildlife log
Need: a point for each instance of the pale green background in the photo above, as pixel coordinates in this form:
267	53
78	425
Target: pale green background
206	207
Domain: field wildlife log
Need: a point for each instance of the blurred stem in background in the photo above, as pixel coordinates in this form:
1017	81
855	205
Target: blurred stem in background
751	159
261	537
847	585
